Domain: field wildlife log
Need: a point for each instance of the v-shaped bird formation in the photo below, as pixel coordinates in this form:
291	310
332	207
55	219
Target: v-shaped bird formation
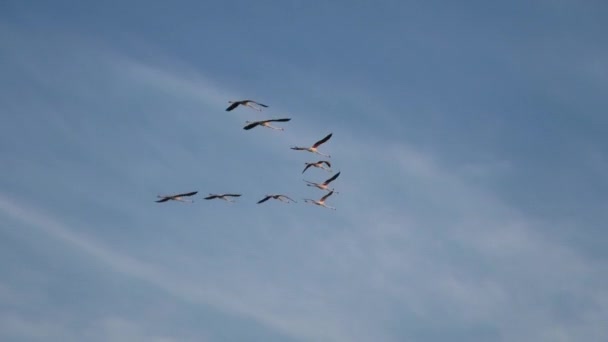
321	164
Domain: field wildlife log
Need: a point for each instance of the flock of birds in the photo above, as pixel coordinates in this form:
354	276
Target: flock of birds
321	164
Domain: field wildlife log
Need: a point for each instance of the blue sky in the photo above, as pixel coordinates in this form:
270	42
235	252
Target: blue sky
471	138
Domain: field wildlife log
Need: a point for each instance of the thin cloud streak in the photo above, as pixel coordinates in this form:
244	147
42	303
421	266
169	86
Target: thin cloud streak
437	245
195	292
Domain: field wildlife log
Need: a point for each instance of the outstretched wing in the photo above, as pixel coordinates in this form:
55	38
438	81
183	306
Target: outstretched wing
259	104
326	162
289	198
325	197
163	200
278	120
211	197
232	106
264	199
186	194
306	168
331	179
318	143
251	125
233	195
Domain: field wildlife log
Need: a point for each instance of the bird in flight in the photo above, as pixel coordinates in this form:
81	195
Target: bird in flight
324	185
320	202
177	197
264	123
318	164
222	196
246	103
281	198
314	147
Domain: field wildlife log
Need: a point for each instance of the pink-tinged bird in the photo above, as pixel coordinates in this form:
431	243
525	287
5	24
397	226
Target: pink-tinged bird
177	197
320	202
246	103
319	165
324	185
265	123
314	147
281	198
223	197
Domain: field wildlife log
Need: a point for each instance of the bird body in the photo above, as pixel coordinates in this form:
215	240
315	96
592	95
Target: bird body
265	123
321	202
314	147
324	185
246	103
222	196
281	198
176	197
319	165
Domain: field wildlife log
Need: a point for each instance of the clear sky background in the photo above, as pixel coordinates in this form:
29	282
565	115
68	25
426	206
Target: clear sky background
471	138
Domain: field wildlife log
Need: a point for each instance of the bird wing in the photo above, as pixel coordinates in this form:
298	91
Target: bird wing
299	148
278	120
251	125
322	140
307	166
187	194
211	197
259	104
289	198
264	199
326	162
232	106
233	195
325	197
163	200
331	179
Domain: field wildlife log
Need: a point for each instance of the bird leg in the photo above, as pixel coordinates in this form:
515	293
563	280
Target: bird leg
277	128
324	155
314	184
328	207
254	107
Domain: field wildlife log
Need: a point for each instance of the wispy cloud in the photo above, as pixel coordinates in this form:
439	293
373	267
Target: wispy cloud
419	249
479	259
178	285
21	327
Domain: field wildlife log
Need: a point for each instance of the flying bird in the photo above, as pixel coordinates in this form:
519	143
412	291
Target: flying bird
222	196
265	123
177	197
318	164
281	198
246	103
324	185
320	202
314	147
